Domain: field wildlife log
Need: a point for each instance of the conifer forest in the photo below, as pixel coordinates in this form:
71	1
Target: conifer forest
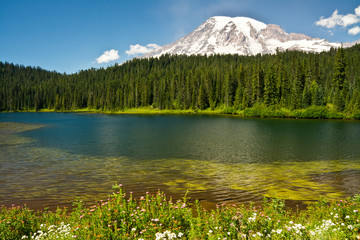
290	80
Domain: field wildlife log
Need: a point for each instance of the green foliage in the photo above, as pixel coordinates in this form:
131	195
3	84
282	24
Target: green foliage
263	111
290	80
313	112
356	115
157	217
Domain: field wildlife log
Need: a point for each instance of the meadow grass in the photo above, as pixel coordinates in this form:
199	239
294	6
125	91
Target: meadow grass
158	217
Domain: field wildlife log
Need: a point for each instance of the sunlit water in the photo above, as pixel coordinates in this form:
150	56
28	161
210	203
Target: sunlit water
46	159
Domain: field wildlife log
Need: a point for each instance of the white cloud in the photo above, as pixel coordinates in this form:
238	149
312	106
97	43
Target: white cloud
139	49
354	30
329	22
349	19
108	56
357	11
337	19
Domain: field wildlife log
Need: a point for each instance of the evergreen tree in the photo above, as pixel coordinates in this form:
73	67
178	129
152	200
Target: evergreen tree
289	79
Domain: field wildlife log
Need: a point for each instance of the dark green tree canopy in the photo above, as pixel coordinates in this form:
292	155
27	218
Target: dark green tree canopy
290	79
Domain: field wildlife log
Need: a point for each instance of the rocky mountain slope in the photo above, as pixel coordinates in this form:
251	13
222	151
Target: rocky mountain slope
241	35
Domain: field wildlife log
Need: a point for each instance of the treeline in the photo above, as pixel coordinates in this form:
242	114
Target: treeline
291	80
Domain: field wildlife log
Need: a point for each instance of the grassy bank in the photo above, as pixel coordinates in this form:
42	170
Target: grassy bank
259	111
157	217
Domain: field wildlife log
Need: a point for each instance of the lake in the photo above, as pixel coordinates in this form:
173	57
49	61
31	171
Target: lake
46	159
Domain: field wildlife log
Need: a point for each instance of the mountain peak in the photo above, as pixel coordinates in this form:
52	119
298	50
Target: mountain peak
238	21
243	36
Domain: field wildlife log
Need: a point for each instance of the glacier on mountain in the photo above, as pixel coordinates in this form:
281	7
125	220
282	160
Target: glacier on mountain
243	36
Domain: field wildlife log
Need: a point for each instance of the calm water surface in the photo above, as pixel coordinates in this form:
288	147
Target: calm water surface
46	159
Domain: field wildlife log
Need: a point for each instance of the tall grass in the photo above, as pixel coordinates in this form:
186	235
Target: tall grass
158	217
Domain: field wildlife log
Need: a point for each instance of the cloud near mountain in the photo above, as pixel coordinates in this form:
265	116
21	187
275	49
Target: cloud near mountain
337	19
139	49
108	56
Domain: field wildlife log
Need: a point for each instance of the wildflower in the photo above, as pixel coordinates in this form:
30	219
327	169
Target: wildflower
253	218
210	231
347	216
133	229
355	211
180	234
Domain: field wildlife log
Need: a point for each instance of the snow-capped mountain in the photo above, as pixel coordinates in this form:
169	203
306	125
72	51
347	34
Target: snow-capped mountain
241	35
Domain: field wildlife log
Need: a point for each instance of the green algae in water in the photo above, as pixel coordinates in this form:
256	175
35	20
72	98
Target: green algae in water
50	174
9	132
55	172
291	180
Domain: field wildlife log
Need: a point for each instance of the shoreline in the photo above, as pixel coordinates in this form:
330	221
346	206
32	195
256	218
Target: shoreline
313	112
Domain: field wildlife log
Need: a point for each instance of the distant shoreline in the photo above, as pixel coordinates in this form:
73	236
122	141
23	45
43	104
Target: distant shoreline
260	111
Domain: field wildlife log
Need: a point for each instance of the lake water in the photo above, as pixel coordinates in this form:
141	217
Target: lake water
46	159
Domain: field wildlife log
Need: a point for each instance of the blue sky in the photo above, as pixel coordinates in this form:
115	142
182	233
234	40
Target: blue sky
70	35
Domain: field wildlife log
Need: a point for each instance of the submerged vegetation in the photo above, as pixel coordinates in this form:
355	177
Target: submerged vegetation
288	84
158	217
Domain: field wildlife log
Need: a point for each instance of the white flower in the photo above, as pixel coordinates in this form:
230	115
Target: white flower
159	236
180	234
171	235
133	229
347	216
210	231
